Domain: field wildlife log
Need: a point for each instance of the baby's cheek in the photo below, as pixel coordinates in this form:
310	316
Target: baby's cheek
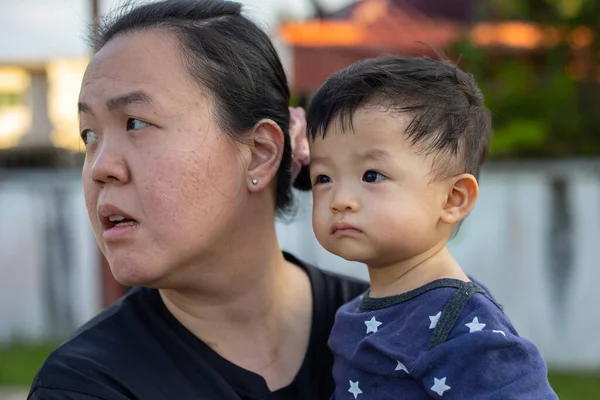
319	204
395	222
320	220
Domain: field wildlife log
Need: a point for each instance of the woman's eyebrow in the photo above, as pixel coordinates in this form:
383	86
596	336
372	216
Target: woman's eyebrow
136	97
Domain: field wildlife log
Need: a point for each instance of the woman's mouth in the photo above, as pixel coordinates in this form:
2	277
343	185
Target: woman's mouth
119	220
116	224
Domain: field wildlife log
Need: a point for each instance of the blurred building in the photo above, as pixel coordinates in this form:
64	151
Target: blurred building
38	117
38	135
370	28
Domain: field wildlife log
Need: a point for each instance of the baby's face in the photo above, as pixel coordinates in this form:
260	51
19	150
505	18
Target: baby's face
374	201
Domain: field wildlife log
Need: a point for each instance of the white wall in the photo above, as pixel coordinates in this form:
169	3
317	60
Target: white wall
49	272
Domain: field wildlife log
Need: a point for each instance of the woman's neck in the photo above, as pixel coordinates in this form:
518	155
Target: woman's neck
257	313
237	291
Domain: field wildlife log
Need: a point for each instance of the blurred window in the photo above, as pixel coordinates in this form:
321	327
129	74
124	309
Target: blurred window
15	112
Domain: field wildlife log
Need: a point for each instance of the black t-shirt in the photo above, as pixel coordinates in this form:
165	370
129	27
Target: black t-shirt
136	349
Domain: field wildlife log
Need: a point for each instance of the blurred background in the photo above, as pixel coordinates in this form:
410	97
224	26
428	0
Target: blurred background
533	237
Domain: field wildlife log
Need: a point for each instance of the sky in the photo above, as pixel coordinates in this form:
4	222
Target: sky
32	31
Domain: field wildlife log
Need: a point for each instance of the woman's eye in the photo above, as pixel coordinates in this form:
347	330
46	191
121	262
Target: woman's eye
373	176
89	136
321	179
134	123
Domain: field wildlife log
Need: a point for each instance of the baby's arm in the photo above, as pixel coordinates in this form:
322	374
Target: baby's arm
484	359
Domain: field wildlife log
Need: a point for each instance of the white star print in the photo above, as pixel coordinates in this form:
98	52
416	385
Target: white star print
501	332
434	320
439	386
401	367
474	325
372	325
354	389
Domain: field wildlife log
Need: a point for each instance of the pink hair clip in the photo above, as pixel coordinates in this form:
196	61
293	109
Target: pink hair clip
299	141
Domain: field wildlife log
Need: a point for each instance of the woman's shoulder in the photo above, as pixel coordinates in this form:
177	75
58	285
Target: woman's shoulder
101	352
329	288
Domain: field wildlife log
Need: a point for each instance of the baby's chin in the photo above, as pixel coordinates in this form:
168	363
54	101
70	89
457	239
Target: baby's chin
369	257
350	253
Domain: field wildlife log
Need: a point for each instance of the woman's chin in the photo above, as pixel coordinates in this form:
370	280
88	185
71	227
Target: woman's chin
131	274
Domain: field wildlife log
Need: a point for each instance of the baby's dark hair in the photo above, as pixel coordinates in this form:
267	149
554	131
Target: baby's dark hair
449	117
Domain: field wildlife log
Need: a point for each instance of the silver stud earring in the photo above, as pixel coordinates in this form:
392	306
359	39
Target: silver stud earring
255	181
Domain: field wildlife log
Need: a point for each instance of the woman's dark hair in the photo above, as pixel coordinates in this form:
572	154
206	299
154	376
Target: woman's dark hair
227	54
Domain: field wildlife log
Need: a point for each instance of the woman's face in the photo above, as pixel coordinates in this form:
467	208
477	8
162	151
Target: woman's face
163	184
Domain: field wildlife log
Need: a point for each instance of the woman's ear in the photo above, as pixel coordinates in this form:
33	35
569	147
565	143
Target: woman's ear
266	147
462	192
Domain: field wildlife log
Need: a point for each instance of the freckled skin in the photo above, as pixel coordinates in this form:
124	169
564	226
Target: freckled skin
178	175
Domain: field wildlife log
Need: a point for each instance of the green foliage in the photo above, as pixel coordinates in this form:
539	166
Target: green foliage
539	109
575	386
10	99
19	362
522	134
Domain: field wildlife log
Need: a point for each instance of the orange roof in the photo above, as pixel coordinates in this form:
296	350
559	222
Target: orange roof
323	33
380	24
373	24
511	34
375	27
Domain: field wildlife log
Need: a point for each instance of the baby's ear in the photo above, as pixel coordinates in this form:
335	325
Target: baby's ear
460	199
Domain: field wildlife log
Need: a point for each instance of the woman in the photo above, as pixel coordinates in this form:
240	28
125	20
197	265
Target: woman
184	115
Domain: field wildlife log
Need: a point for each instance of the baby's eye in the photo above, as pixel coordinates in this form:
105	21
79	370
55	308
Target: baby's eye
134	123
321	179
89	136
373	176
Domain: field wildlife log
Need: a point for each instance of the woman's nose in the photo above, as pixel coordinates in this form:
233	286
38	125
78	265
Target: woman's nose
109	163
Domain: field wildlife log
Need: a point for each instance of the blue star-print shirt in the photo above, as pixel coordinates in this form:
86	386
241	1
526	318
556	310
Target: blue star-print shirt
448	339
